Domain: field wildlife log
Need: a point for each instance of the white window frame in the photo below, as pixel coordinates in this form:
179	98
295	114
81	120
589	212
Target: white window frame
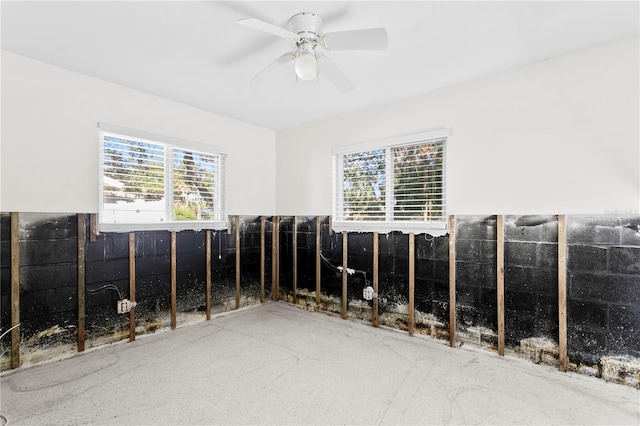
434	227
169	144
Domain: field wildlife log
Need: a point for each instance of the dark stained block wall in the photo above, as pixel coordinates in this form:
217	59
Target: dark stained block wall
432	282
603	279
49	280
5	277
531	278
604	287
476	273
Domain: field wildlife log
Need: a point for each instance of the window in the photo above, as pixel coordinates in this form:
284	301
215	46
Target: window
154	182
392	185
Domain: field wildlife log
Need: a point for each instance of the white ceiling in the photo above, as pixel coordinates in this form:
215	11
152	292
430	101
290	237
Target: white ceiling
194	52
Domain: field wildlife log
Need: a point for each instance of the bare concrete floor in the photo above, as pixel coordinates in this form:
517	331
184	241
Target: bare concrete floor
277	364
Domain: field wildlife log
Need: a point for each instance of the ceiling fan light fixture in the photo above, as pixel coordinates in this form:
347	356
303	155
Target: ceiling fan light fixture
306	66
305	30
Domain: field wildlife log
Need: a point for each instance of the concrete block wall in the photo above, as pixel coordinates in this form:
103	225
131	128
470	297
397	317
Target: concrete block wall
5	277
603	277
476	297
49	280
603	284
603	304
531	279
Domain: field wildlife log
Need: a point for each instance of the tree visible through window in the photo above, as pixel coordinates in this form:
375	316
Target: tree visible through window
364	185
193	185
145	182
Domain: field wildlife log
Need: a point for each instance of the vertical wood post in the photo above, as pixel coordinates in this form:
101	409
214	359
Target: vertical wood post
278	260
275	261
412	282
207	302
262	258
500	280
452	280
274	243
237	262
376	298
318	260
15	290
81	281
562	291
294	238
94	227
345	255
132	285
173	280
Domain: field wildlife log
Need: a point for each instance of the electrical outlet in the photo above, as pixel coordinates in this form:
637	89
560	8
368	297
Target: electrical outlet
367	293
125	305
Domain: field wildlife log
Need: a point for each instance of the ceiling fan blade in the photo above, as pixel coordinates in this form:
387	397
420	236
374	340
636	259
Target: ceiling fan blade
366	39
335	74
268	28
243	53
280	60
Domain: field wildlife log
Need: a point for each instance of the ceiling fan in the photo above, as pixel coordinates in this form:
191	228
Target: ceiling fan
311	46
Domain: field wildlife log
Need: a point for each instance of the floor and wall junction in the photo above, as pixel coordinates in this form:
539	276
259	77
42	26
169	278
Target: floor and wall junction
279	364
423	287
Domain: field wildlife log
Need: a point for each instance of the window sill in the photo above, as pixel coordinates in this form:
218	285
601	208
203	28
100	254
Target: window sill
435	229
164	226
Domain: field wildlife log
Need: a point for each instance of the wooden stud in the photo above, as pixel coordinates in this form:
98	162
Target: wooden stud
375	278
262	258
330	225
81	281
452	280
274	257
294	237
94	227
412	281
237	262
207	302
173	280
500	279
15	290
345	255
562	292
132	285
278	258
318	260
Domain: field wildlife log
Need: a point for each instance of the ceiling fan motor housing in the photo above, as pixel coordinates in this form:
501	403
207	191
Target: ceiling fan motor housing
307	25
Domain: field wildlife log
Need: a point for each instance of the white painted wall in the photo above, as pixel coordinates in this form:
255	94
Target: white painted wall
559	136
50	139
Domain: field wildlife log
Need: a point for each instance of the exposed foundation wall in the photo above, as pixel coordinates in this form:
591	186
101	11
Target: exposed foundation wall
48	255
603	282
603	285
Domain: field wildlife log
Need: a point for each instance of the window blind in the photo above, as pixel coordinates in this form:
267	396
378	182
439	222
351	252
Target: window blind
398	185
147	184
197	183
418	181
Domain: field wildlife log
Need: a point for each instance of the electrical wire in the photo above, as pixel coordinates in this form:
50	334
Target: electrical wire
6	332
328	263
104	288
339	269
